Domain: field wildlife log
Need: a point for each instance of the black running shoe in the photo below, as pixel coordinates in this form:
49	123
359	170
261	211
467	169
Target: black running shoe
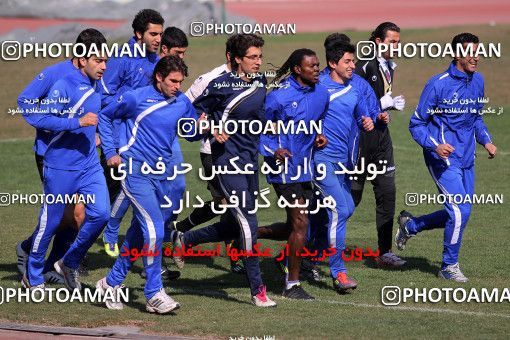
166	273
237	267
297	292
309	271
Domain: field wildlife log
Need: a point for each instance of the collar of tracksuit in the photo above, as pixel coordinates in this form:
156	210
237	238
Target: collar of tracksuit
326	79
160	96
294	83
454	72
149	55
86	79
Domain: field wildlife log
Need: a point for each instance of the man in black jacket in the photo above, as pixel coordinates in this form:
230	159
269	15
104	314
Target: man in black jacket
376	145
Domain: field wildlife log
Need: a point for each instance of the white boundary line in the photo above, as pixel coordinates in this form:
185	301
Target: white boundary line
13	140
213	293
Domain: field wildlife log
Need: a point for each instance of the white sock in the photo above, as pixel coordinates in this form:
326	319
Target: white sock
290	284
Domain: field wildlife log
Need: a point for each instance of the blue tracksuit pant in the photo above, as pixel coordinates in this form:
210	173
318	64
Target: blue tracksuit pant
338	187
454	217
61	243
236	223
174	191
89	181
146	196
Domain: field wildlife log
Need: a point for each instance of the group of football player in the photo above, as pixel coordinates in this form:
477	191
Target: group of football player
132	109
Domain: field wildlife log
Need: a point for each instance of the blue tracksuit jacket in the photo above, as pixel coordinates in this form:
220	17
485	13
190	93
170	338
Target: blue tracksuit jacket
29	101
293	102
126	73
446	114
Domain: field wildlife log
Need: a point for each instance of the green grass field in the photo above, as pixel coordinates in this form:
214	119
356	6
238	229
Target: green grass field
215	303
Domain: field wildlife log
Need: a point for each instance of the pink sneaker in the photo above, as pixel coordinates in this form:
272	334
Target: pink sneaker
261	299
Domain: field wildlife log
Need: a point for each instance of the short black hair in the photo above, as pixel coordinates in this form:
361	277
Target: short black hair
381	30
168	64
174	37
336	51
86	39
464	38
241	44
231	41
144	18
334	37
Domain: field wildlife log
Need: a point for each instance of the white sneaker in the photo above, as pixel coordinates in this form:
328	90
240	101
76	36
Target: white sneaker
71	276
22	259
261	299
53	277
161	303
453	273
102	286
389	259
